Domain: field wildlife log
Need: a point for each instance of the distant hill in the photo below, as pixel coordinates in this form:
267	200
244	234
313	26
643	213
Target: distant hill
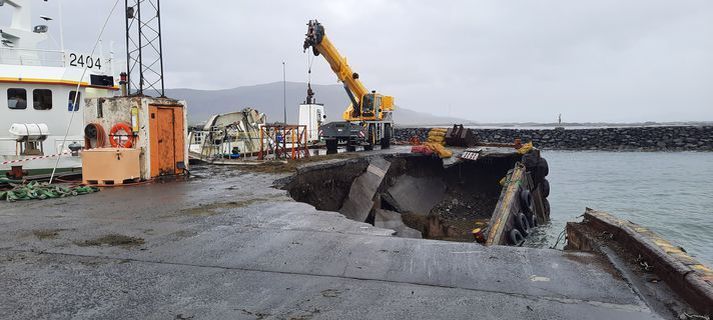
268	98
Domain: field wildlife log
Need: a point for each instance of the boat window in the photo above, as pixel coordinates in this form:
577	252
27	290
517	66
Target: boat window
71	106
42	99
16	98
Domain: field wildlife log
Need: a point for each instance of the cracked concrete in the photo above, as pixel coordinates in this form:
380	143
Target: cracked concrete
274	259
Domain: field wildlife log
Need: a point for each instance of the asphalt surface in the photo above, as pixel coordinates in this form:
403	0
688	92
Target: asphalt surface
229	246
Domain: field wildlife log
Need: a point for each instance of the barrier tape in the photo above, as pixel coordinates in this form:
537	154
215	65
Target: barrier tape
37	158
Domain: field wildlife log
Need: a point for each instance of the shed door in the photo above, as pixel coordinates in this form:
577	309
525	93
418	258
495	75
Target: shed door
167	139
166	142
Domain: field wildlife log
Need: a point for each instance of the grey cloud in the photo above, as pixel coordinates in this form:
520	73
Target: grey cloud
593	60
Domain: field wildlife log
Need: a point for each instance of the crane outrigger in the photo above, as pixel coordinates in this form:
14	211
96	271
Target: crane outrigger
367	120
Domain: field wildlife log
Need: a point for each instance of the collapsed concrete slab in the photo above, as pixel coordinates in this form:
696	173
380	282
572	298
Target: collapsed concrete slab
416	194
388	219
359	202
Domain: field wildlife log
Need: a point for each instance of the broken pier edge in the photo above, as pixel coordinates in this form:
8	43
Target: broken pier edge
686	276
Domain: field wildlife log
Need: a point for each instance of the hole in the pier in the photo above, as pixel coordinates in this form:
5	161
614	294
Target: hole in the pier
417	197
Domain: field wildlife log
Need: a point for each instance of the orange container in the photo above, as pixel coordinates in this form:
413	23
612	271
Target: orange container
110	166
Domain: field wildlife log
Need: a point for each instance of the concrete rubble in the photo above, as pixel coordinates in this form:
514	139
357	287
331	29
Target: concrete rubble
388	219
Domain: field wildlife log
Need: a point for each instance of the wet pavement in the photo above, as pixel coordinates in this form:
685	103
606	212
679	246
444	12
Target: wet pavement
227	245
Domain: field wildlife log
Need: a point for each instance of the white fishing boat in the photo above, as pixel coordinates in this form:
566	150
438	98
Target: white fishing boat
38	87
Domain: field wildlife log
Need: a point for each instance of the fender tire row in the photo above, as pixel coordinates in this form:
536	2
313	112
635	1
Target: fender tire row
527	219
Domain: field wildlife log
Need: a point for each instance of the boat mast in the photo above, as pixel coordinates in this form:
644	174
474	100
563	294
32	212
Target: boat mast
61	26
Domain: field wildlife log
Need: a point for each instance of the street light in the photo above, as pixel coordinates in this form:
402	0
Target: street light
284	94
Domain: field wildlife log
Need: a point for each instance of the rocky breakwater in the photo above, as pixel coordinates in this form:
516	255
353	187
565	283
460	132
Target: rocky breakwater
669	138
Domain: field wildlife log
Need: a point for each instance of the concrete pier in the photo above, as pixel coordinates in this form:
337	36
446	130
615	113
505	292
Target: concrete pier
226	245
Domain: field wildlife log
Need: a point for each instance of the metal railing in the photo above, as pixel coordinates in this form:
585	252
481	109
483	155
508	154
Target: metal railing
32	57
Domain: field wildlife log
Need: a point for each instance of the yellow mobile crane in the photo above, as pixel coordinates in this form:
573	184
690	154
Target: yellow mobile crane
368	118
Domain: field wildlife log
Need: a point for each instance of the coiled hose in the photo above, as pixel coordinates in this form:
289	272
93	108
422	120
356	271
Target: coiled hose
94	131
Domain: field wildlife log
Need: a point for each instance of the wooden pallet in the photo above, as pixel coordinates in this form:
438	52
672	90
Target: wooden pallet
110	182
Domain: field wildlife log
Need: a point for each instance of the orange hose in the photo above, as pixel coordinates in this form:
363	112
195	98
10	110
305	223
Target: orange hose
101	137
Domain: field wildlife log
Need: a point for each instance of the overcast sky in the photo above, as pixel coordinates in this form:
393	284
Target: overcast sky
489	61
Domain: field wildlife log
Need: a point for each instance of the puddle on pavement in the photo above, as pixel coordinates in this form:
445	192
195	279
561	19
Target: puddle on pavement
46	234
113	240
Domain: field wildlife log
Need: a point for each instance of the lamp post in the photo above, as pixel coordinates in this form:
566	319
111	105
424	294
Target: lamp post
284	93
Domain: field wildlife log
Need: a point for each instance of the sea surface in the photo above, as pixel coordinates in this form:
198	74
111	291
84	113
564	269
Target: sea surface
669	192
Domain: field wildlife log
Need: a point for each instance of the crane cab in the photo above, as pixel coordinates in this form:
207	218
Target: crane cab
373	107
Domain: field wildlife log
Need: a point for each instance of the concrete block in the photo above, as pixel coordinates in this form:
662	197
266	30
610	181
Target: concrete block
360	200
392	220
416	194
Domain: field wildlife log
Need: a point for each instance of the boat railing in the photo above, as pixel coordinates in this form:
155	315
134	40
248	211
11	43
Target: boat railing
32	57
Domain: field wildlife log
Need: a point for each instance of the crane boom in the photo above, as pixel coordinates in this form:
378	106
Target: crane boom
365	106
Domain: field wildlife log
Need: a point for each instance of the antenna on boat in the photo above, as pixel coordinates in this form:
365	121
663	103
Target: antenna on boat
61	25
144	48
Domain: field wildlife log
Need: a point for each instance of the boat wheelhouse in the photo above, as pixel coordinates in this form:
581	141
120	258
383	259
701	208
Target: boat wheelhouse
38	90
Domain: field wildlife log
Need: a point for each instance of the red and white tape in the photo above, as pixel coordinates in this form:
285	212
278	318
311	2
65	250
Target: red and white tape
37	158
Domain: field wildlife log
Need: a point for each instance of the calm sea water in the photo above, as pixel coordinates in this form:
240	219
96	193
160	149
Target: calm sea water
668	192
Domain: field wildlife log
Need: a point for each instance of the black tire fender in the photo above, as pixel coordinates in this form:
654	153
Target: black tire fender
545	188
530	161
534	222
546	204
515	237
543	169
522	223
527	203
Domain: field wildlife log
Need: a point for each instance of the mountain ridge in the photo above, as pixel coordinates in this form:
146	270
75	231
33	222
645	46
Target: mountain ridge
268	98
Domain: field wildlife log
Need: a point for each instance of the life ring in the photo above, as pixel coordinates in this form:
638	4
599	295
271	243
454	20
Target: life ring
116	139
